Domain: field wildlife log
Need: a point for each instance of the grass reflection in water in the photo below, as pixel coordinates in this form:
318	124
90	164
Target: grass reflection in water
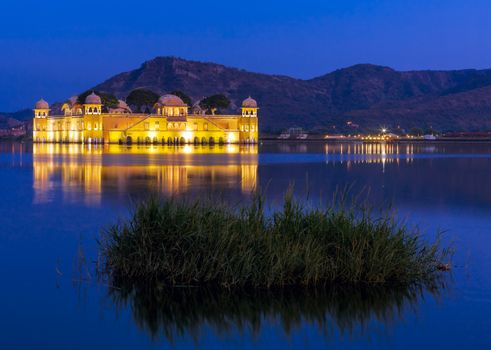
177	312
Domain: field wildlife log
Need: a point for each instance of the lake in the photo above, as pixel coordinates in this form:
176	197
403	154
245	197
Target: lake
57	198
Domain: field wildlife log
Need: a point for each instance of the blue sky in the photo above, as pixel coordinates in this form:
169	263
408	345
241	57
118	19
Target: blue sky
54	49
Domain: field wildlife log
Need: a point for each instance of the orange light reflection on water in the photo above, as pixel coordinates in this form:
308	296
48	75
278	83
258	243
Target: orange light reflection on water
89	170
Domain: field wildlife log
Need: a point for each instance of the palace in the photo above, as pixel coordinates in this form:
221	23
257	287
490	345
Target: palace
170	123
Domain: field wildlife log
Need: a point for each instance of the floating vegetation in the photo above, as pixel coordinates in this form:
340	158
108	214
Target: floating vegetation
169	242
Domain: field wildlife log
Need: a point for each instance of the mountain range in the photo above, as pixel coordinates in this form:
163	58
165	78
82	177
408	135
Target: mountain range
10	120
365	97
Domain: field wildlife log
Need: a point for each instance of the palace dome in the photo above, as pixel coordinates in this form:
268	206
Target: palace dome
121	108
249	103
171	101
72	100
123	104
42	104
93	99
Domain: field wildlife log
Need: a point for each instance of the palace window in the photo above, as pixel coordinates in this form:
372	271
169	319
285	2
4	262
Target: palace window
195	126
169	126
147	126
247	128
252	127
95	126
205	126
89	126
157	126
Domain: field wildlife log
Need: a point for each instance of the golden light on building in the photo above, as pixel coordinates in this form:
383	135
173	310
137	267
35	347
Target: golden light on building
170	123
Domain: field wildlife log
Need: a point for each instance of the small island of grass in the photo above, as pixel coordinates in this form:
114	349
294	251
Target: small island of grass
170	242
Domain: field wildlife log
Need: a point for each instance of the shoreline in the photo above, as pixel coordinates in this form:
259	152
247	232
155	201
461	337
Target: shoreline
357	140
276	140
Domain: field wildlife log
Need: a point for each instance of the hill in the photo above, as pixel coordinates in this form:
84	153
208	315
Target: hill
367	95
9	120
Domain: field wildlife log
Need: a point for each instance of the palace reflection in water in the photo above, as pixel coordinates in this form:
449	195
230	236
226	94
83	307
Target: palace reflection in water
90	169
419	172
168	170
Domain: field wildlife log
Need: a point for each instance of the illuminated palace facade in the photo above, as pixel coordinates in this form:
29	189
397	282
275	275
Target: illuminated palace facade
170	123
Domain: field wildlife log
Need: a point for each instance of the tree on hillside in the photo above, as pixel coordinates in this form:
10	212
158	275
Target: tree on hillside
108	100
416	131
185	98
142	99
430	131
213	104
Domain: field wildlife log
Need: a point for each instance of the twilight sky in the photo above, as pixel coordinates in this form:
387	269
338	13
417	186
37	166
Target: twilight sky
54	49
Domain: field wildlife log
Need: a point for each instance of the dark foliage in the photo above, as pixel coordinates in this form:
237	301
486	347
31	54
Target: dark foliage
215	103
185	98
142	100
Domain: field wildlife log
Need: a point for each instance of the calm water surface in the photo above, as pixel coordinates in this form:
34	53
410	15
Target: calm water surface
56	198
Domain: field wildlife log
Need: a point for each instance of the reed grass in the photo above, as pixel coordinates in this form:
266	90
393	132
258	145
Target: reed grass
173	242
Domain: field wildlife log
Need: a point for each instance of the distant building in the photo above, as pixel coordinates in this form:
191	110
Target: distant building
14	131
429	137
169	123
293	133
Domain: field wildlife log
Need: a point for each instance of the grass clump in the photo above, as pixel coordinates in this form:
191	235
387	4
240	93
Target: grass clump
174	242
